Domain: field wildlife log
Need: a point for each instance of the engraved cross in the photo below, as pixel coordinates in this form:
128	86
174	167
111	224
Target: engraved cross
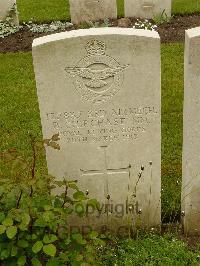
106	172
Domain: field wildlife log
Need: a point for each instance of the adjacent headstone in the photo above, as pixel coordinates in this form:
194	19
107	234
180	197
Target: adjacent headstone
100	89
191	136
147	8
9	8
92	10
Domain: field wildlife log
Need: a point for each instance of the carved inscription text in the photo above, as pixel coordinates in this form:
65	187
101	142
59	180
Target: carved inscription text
102	125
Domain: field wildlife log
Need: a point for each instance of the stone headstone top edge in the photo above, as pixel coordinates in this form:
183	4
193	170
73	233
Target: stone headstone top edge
194	32
96	31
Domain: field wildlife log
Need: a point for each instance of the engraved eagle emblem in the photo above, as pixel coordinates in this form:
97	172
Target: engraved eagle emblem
97	76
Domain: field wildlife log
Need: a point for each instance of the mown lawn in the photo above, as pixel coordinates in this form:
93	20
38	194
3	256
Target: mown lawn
185	6
149	250
48	10
19	117
43	10
172	104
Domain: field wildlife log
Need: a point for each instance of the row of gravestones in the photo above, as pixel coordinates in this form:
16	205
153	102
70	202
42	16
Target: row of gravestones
100	89
93	10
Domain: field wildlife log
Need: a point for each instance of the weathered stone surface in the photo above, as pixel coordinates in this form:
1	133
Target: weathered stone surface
100	89
191	143
92	10
5	7
146	8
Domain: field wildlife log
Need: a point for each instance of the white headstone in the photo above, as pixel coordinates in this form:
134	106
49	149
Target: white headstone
100	89
9	8
191	136
147	8
92	10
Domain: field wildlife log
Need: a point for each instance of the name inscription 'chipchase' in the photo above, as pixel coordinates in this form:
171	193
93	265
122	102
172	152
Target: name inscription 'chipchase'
102	125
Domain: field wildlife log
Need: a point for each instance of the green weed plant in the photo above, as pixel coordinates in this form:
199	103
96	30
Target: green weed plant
34	227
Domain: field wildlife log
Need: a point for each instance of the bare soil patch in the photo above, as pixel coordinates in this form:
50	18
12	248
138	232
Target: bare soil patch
173	31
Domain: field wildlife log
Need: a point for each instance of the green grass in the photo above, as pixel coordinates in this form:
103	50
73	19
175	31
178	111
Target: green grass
120	7
149	250
185	6
19	117
49	10
19	107
19	114
43	10
172	104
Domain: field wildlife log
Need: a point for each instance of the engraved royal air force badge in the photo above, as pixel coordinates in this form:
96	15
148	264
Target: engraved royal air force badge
97	77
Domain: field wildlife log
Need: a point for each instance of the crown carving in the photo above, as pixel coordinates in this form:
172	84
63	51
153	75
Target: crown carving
95	47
